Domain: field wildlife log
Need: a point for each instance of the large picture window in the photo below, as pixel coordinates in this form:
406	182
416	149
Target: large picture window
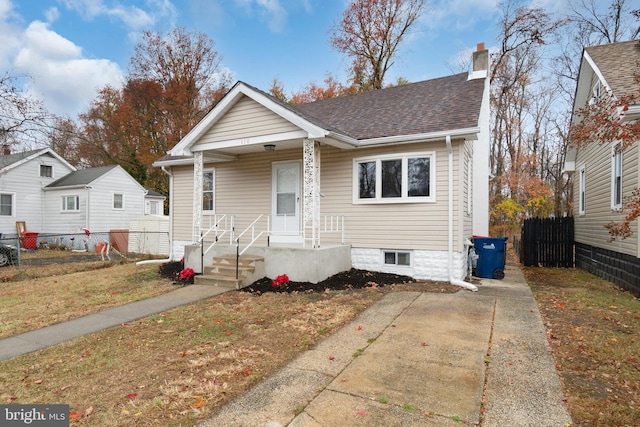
394	178
70	203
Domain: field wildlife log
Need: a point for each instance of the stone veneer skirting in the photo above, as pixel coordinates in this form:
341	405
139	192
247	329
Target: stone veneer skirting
621	269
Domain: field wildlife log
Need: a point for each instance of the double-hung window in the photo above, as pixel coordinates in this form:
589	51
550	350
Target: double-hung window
207	191
70	203
397	178
616	178
583	192
46	171
118	201
7	204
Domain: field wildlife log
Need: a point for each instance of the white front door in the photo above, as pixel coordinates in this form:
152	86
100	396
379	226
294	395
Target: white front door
286	199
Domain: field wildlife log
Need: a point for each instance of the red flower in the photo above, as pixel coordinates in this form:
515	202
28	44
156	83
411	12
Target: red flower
281	281
187	273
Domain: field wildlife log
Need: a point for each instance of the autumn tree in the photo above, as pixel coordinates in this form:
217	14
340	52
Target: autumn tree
369	34
520	101
173	81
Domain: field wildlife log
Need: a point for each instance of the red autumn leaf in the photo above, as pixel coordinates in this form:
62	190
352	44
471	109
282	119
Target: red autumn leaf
359	328
361	412
247	372
332	358
73	415
132	395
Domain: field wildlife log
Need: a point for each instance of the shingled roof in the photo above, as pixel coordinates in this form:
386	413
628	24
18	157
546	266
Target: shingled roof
619	64
81	177
436	105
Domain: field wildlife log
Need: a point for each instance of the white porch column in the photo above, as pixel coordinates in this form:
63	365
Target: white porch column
197	195
311	192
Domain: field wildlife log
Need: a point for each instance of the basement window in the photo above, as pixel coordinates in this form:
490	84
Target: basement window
397	258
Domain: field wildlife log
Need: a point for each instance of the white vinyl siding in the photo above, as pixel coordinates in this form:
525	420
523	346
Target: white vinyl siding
25	182
96	204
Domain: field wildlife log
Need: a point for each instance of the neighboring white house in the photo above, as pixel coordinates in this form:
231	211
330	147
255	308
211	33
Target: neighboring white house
603	174
99	199
392	180
22	178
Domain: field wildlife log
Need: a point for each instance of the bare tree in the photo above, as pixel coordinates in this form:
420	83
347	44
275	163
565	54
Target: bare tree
22	119
370	32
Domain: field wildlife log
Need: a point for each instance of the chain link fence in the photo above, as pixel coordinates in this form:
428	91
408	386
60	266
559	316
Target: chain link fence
33	249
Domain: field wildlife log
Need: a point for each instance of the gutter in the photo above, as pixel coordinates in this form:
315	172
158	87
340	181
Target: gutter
170	258
452	280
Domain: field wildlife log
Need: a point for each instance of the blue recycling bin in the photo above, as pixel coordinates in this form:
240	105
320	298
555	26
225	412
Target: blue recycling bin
491	253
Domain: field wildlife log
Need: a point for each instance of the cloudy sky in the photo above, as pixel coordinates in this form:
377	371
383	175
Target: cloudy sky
71	48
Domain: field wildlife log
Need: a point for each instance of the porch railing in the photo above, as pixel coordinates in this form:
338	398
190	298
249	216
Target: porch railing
225	225
255	235
221	226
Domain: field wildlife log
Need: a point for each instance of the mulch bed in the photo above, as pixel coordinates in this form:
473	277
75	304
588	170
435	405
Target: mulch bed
352	279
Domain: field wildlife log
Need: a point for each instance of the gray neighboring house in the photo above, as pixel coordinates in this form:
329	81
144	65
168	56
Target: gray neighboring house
602	174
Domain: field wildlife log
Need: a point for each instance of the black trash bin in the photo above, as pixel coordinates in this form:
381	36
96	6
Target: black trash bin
491	256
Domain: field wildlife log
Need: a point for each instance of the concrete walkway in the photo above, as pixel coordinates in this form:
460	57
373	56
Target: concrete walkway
55	334
412	359
420	359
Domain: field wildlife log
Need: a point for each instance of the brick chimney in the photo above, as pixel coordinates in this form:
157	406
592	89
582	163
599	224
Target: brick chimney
6	149
480	58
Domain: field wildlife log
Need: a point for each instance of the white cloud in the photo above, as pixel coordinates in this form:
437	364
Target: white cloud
133	17
275	14
10	34
61	77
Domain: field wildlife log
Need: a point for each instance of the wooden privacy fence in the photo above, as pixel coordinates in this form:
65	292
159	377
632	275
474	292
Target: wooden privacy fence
547	242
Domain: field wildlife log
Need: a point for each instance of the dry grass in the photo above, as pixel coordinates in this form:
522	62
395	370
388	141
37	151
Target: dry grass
170	369
44	295
593	331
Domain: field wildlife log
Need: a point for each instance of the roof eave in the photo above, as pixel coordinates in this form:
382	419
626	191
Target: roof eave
466	133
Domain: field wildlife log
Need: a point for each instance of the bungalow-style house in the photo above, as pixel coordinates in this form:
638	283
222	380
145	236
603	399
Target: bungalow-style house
22	178
392	180
101	199
603	174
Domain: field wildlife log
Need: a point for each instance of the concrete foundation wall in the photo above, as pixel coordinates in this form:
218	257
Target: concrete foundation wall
425	265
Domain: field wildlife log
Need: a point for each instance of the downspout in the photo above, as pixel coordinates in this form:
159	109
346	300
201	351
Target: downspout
170	258
453	280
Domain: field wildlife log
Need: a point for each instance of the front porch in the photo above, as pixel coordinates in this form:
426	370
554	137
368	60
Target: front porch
300	264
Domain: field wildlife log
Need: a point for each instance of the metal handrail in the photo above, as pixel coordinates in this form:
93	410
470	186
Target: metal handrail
254	238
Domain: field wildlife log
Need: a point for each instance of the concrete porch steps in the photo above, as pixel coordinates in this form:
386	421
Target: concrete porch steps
222	272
